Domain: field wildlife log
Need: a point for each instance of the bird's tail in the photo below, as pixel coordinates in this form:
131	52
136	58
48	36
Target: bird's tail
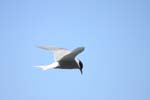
42	67
50	66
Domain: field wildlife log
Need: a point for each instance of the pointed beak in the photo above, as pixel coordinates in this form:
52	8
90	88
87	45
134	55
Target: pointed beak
81	71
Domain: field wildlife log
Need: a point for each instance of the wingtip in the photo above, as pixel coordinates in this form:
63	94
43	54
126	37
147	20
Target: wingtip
42	47
82	48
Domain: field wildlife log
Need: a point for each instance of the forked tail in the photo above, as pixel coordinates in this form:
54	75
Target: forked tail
46	67
42	67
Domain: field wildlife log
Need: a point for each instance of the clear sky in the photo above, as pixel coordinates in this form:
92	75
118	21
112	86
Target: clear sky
116	37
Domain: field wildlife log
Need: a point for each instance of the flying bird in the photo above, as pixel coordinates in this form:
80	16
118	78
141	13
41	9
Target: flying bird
63	58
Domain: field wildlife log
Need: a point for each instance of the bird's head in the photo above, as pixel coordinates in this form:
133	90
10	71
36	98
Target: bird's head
80	66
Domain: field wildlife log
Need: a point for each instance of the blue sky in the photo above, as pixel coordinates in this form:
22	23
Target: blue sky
115	33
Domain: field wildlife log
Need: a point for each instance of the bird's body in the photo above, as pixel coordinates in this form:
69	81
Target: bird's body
64	59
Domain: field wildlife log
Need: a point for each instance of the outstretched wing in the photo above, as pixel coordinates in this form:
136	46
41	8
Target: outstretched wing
73	54
59	53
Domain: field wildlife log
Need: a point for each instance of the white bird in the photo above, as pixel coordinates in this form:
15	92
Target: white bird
63	58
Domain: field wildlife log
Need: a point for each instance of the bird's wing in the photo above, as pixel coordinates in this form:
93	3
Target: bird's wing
73	53
58	52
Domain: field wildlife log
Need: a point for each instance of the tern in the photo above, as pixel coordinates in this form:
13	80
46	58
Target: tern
63	58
